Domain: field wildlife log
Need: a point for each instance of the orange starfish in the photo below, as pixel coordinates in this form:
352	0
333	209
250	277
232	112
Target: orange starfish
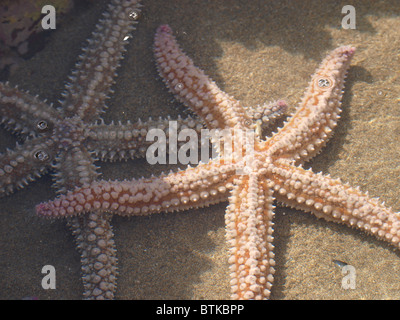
251	176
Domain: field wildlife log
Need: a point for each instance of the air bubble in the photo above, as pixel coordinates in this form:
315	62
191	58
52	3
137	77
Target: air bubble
134	15
323	83
179	86
42	125
41	155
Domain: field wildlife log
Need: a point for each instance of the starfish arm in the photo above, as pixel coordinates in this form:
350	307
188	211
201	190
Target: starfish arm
308	130
249	229
95	241
334	201
91	81
196	187
73	167
192	87
112	142
23	113
26	162
123	141
265	116
93	232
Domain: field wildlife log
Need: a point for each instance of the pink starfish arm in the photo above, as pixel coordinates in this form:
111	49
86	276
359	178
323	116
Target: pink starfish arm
249	229
191	188
308	130
192	87
334	201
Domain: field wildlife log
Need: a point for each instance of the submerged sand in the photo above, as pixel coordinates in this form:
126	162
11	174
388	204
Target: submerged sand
257	51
